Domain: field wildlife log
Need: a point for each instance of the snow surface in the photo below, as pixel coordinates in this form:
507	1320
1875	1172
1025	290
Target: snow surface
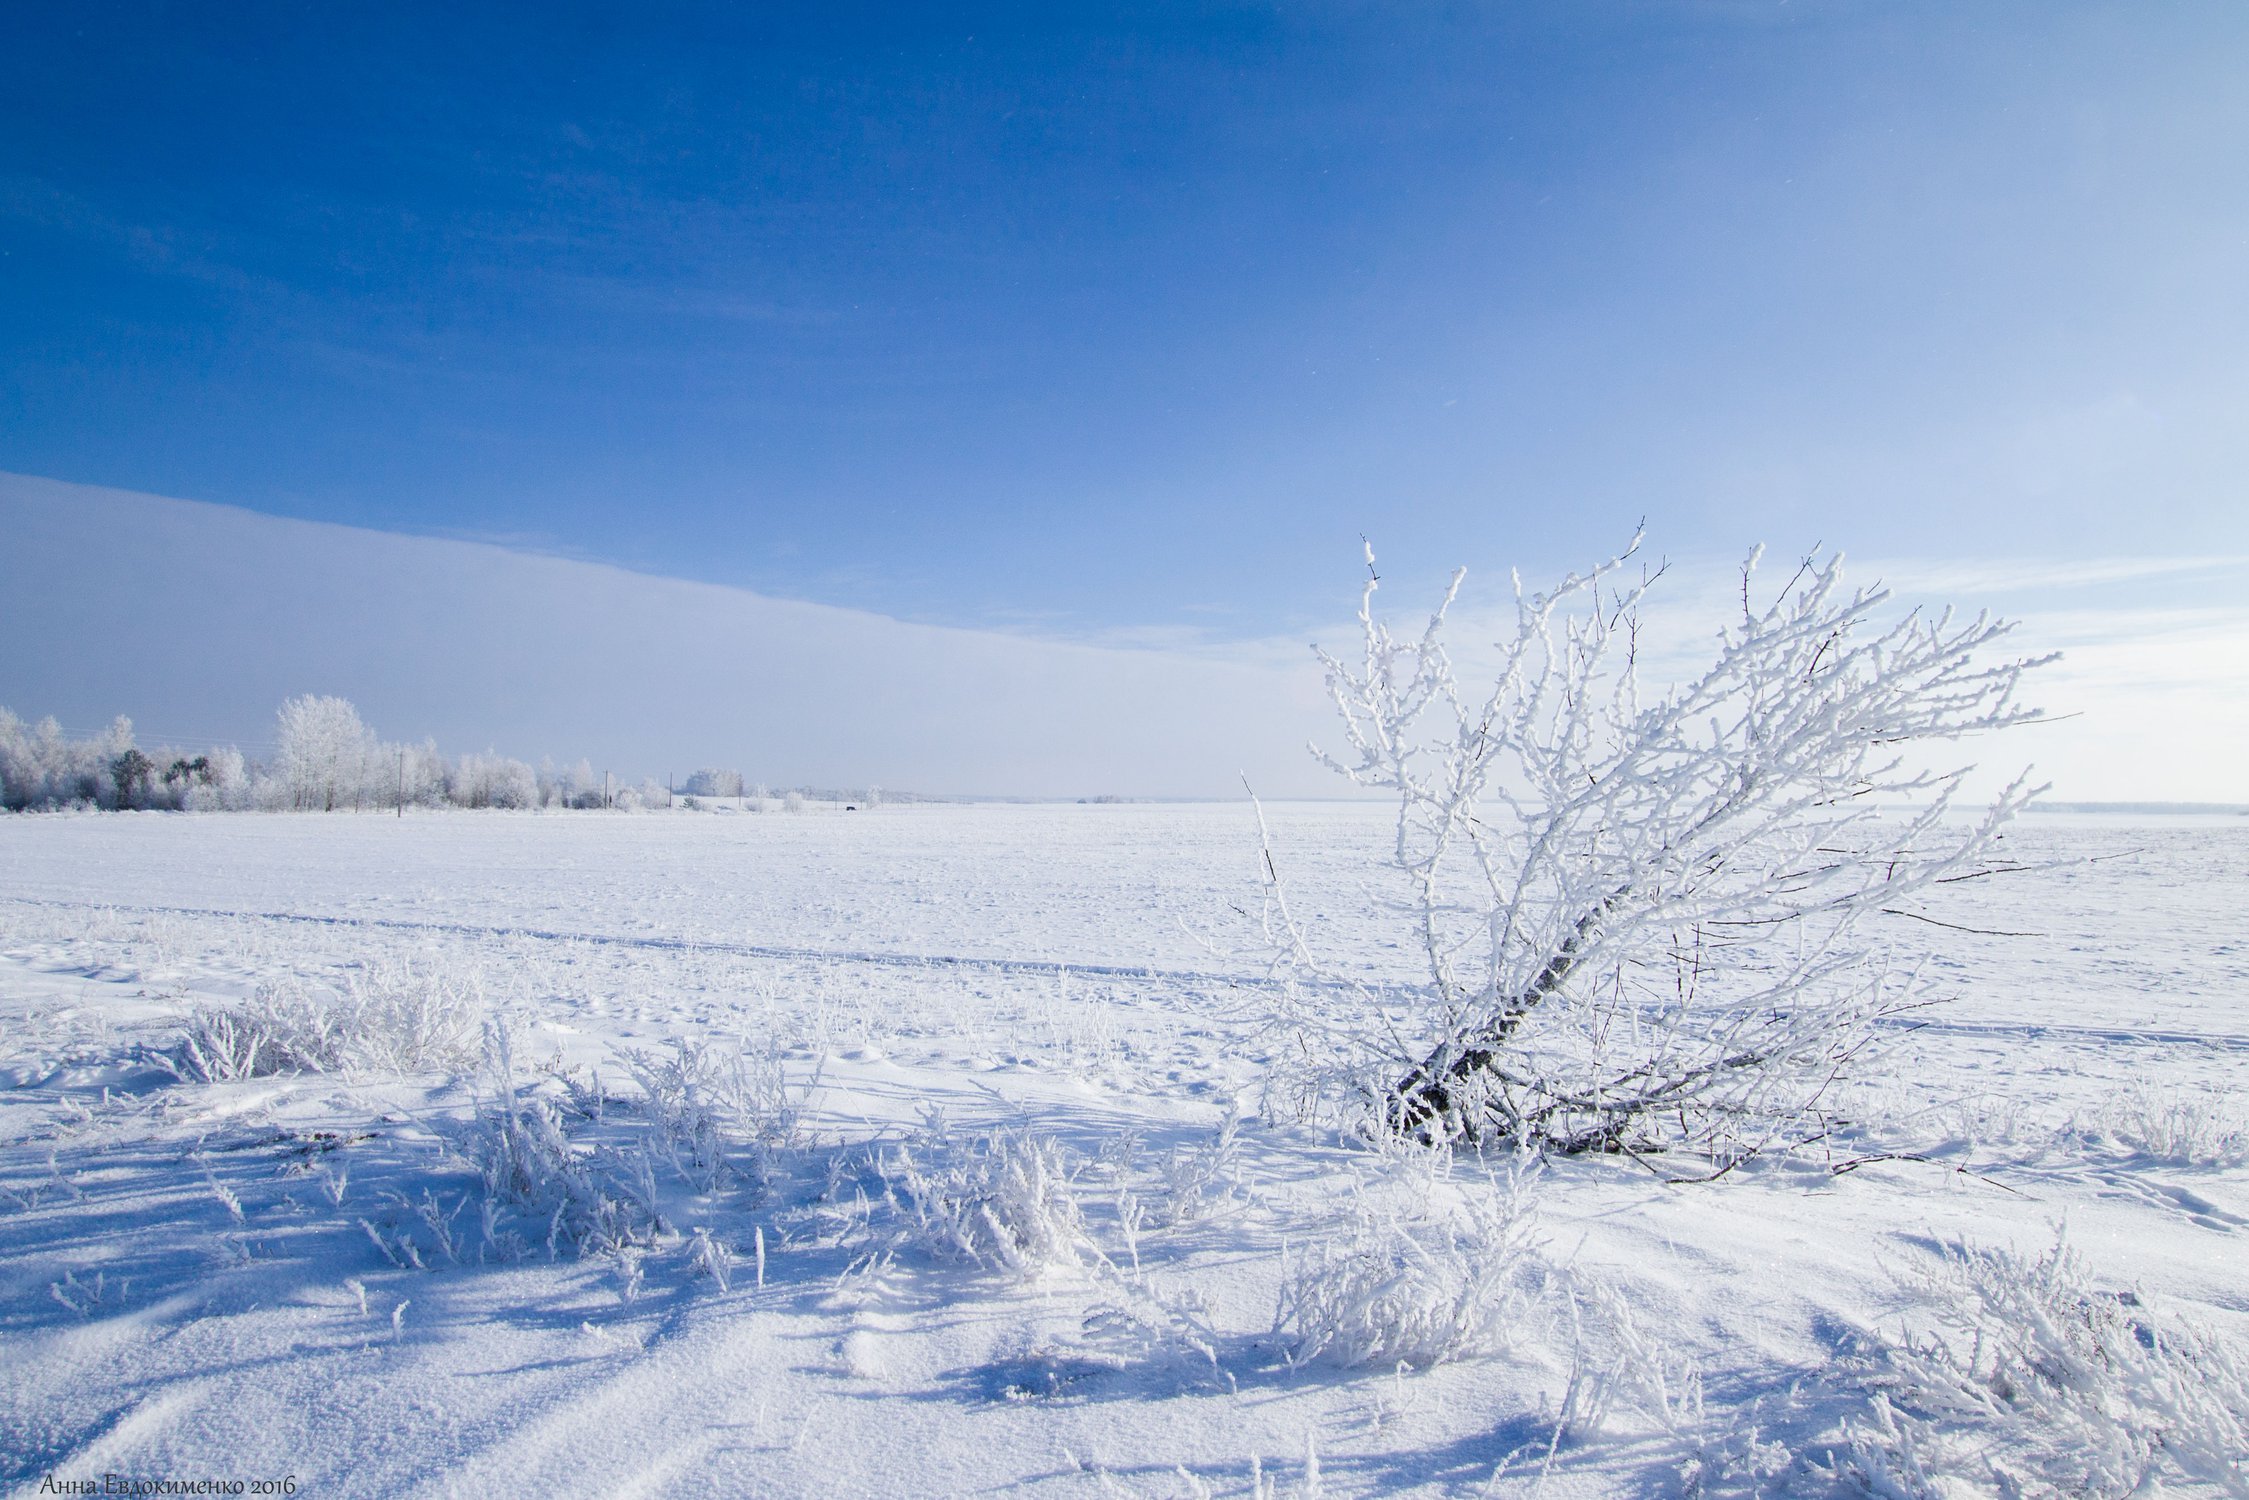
187	1288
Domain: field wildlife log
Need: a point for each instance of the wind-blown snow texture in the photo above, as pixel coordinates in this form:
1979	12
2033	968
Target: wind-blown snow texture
1020	1235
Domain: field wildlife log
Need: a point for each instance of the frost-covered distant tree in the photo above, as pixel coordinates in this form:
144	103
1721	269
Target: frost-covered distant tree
576	787
41	768
326	757
492	780
184	773
1649	920
132	775
416	774
713	782
22	782
223	783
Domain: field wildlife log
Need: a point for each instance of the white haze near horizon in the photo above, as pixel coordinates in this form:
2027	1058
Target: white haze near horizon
197	619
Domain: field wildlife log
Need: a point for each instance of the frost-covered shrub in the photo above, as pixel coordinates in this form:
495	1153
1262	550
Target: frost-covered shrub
1422	1272
1001	1200
1646	919
392	1017
2032	1380
1075	1026
1975	1127
410	1018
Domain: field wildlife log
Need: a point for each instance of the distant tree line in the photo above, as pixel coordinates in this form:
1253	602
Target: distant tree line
325	760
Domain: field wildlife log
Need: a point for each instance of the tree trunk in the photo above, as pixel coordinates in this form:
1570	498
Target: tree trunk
1424	1105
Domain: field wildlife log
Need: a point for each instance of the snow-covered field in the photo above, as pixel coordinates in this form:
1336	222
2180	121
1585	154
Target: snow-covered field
922	1150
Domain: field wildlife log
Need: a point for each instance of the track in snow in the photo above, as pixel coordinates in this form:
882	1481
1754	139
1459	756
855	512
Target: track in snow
1135	973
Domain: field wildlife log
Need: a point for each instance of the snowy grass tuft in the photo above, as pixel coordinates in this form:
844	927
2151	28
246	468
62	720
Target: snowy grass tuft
615	1176
536	1177
708	1108
2180	1130
394	1016
1199	1179
1002	1200
1620	1366
2035	1381
1423	1271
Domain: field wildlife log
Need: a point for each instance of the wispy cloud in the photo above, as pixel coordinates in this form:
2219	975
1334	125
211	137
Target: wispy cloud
163	250
1979	579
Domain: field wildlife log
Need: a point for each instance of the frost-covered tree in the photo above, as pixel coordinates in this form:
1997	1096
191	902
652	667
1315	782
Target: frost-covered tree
326	757
417	774
23	776
132	774
222	783
493	780
1650	919
714	782
575	786
41	768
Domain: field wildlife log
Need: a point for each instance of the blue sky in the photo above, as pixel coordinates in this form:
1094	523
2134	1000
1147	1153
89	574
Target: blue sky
1126	324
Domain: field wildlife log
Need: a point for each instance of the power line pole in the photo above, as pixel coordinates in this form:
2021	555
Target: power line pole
402	781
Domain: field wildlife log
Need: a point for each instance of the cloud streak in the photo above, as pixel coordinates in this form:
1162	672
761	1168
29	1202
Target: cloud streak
192	614
202	617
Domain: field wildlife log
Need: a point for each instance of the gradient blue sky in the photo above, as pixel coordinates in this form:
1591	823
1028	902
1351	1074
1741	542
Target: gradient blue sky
1125	324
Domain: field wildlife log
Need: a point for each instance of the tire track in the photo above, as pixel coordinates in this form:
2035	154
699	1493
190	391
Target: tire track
2034	1031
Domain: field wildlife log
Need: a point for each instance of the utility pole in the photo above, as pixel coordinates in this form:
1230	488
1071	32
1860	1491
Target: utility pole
667	791
605	791
401	781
